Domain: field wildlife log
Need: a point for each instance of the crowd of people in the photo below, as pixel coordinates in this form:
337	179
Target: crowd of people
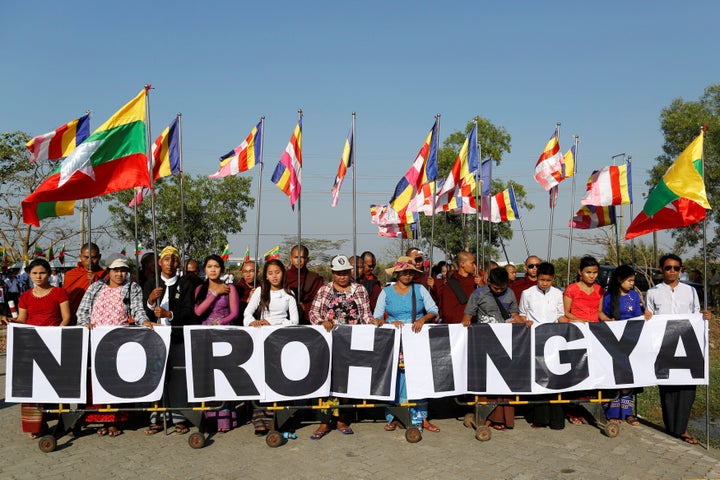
416	295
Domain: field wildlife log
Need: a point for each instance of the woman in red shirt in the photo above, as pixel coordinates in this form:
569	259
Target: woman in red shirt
44	306
583	299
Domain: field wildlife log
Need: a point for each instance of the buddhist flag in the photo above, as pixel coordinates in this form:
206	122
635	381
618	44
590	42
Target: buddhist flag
401	230
288	172
414	178
243	157
273	253
346	161
679	199
569	163
226	253
609	186
591	216
113	158
166	152
500	207
60	142
466	164
548	169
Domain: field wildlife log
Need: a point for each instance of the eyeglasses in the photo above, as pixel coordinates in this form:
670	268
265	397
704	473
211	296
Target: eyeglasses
532	265
667	268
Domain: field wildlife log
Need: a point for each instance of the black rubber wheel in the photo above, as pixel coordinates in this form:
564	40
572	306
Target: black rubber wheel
413	435
274	439
196	440
483	433
47	443
469	420
612	430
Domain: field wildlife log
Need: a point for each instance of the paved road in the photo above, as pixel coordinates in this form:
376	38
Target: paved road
578	452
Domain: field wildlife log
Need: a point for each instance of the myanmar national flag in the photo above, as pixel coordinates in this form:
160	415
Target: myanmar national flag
226	253
679	199
113	158
273	253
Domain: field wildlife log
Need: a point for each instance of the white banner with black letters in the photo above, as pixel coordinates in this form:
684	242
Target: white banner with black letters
48	364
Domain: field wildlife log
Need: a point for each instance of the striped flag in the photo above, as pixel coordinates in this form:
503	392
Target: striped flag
247	254
422	201
500	207
51	254
226	253
61	255
609	186
273	253
569	163
138	249
60	142
548	169
406	230
39	252
140	194
418	174
384	214
466	164
346	161
243	157
166	152
591	216
288	172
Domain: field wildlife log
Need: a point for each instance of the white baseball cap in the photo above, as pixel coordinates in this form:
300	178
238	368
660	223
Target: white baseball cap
340	263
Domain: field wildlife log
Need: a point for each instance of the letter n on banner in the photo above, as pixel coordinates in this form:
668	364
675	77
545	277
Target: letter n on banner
435	360
129	363
46	364
364	361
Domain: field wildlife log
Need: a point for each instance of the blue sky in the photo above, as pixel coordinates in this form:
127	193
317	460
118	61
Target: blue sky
604	70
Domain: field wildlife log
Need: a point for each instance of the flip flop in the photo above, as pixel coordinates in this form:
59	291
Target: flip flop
153	429
102	431
318	434
181	429
345	430
390	427
687	438
113	431
431	428
632	420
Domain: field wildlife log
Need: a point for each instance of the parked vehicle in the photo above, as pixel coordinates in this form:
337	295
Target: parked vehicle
645	277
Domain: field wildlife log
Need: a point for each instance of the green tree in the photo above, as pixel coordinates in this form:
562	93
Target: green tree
18	178
680	123
213	209
455	232
321	250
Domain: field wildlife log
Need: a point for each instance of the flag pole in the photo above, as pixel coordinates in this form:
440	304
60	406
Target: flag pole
152	186
259	197
703	132
522	230
478	187
182	197
632	214
617	223
353	157
299	224
137	257
552	206
432	194
572	207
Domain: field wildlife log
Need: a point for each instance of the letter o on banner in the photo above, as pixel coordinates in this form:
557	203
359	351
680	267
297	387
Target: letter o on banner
318	370
107	353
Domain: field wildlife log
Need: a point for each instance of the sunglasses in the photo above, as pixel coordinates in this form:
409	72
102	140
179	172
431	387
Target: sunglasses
533	265
667	268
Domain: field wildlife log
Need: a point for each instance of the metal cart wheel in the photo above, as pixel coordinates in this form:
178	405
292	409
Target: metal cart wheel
483	433
611	429
274	439
196	440
47	443
413	435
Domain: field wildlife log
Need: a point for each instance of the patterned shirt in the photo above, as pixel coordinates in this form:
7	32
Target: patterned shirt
349	308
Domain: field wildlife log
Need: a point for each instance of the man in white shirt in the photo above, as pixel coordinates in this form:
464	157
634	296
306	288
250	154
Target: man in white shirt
543	303
673	296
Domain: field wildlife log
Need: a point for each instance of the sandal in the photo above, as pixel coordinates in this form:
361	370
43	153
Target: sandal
153	429
687	438
430	427
113	431
181	429
632	420
102	431
345	430
575	420
390	427
318	434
